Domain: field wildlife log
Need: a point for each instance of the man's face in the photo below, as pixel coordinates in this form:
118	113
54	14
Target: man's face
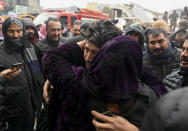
184	54
14	31
180	37
54	30
158	44
30	32
89	51
76	30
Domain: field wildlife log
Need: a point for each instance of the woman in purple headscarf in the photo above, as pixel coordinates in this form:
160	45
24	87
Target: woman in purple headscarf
111	81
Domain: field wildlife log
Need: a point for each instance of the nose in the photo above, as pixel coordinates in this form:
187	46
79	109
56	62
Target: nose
88	56
184	53
15	34
157	45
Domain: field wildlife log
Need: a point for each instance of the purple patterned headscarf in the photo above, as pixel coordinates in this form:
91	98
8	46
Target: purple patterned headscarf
115	70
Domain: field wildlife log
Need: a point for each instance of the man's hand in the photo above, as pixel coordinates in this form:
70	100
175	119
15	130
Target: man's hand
115	123
10	73
46	88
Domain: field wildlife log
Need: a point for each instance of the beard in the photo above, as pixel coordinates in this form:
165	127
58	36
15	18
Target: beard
17	42
184	67
30	36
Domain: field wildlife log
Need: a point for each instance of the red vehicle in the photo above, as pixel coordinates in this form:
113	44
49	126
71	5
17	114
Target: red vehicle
67	18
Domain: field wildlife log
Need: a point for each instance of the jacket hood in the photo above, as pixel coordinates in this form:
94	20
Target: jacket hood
138	29
28	22
6	25
116	68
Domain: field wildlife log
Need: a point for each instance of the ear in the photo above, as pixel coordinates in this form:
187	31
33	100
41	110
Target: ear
168	39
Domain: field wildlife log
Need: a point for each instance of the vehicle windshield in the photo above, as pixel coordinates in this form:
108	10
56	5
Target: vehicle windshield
40	19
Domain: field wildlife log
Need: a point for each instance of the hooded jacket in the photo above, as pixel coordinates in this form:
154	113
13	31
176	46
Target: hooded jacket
24	92
76	87
29	23
169	113
139	30
173	41
177	79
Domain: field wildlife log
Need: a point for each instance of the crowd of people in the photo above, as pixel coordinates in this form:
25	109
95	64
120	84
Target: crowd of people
94	77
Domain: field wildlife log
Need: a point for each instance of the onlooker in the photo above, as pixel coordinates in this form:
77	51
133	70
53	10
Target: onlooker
173	20
31	30
161	56
23	83
183	25
75	29
177	38
179	78
136	31
160	24
165	16
53	38
184	14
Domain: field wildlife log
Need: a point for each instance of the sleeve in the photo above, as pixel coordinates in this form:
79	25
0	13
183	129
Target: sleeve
63	65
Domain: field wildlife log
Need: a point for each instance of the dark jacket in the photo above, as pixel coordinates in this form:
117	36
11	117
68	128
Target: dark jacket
138	29
44	45
164	67
20	96
169	113
76	87
24	92
3	95
175	80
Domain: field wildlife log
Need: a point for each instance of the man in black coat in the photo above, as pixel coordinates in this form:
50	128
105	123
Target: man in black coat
161	56
179	78
22	84
53	38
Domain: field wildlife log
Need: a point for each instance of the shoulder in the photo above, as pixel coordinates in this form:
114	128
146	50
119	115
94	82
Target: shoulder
41	42
177	53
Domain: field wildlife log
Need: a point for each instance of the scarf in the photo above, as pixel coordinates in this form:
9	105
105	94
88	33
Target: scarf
166	56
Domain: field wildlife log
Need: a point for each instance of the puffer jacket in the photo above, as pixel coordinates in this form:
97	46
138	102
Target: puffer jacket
176	79
162	69
169	113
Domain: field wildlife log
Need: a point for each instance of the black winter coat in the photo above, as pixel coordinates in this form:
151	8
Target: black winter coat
44	45
20	99
162	69
3	94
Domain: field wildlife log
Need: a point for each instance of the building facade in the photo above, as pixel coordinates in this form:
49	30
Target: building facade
20	7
